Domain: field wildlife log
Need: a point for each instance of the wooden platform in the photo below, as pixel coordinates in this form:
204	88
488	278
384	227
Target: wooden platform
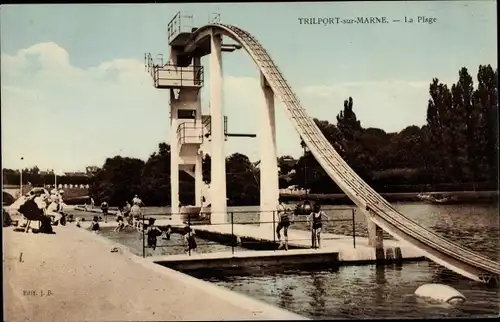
336	249
341	244
222	260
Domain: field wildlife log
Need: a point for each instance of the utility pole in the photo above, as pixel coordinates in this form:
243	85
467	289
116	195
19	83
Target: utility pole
21	178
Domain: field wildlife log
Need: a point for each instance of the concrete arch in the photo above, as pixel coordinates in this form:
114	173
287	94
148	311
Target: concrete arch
7	198
375	207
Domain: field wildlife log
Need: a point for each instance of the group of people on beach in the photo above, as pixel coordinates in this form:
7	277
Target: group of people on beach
286	217
126	216
153	232
132	216
45	207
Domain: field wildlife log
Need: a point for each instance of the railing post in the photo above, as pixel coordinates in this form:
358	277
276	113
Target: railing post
189	233
274	228
232	233
353	228
143	243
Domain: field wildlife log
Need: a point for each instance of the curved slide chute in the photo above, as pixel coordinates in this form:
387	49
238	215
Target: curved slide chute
438	249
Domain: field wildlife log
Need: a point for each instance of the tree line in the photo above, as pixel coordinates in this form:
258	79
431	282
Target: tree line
458	145
38	179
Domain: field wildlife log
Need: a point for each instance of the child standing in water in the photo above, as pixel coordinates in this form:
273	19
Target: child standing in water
153	232
316	216
189	239
119	220
105	208
94	225
168	232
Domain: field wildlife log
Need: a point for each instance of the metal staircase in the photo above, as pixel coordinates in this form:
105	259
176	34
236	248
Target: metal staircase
381	212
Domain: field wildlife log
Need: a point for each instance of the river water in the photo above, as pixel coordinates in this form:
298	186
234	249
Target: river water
357	292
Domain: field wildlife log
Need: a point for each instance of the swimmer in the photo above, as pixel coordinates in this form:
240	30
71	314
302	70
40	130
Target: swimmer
283	223
119	220
153	232
94	225
316	216
168	232
190	241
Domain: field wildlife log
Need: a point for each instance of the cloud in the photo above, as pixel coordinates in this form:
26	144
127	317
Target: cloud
56	115
60	116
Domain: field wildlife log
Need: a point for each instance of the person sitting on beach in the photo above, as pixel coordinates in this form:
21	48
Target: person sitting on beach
153	232
316	216
105	209
52	210
119	220
94	225
34	209
283	223
190	240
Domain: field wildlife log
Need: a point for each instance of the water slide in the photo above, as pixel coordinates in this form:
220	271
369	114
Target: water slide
436	248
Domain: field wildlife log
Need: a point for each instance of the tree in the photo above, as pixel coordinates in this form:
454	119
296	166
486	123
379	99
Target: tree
485	101
285	164
347	122
462	125
242	182
118	180
440	139
155	183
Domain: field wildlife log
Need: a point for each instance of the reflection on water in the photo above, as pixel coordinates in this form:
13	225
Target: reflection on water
357	292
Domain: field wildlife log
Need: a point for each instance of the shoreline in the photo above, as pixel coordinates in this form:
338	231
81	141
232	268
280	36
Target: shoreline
342	199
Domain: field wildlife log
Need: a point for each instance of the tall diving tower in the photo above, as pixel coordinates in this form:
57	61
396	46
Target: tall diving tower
192	133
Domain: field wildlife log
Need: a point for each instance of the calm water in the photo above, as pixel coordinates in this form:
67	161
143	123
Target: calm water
356	292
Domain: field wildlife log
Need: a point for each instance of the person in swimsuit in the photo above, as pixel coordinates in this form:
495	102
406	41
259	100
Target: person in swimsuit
168	232
105	208
119	220
94	225
316	217
283	223
153	232
189	239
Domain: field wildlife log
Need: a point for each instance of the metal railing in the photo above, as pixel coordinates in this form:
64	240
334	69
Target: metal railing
342	174
184	75
178	25
207	122
185	130
223	235
188	75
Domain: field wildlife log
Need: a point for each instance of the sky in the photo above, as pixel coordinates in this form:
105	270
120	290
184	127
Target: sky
74	89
